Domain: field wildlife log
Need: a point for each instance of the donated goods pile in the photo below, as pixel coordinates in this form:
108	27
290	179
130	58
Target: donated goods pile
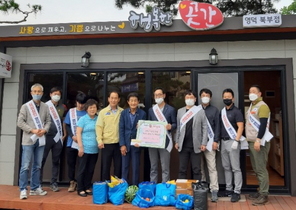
182	193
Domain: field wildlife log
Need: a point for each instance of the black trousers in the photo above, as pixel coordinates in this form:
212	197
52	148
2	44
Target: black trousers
86	170
72	155
111	152
185	155
56	150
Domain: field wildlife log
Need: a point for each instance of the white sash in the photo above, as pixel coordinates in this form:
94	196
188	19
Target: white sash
37	121
210	136
231	131
256	124
160	117
57	121
73	122
189	114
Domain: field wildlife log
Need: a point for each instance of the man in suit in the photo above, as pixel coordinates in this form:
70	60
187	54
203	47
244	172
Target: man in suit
128	130
191	137
34	120
164	113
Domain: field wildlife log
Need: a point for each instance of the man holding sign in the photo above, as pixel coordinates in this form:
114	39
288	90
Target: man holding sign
34	120
191	137
258	136
164	113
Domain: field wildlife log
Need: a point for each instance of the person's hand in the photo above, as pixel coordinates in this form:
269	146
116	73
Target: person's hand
64	137
34	131
168	127
101	145
74	138
123	150
41	132
177	146
257	146
215	145
80	152
137	145
234	144
203	148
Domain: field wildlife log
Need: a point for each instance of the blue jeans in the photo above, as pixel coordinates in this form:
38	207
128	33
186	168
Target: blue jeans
32	154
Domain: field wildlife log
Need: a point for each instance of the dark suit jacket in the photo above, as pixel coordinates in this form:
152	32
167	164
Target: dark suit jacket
127	130
170	114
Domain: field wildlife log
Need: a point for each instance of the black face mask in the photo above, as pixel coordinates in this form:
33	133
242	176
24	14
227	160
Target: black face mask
227	102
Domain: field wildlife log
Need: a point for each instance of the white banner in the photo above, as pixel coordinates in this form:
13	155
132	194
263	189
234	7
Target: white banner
5	65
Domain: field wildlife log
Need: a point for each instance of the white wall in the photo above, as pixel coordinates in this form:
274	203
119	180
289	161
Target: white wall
118	53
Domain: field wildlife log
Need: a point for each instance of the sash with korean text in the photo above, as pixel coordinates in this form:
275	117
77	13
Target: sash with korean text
189	114
57	121
231	131
256	124
160	117
37	121
73	122
210	136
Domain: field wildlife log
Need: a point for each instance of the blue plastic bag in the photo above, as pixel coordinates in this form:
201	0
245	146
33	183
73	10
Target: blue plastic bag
100	192
148	185
116	193
182	204
144	198
165	194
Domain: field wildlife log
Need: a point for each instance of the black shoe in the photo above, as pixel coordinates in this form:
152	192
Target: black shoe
261	200
235	197
88	192
226	193
254	196
82	193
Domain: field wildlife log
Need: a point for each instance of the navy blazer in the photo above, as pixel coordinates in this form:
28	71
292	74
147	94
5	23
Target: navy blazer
170	114
127	130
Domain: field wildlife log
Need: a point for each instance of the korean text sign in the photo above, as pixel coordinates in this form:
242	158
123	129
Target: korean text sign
150	134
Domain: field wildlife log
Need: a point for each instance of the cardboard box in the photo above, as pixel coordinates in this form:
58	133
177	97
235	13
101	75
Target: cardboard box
184	183
184	191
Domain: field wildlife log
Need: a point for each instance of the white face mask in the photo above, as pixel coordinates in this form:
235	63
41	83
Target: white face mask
253	97
55	98
205	100
158	100
189	102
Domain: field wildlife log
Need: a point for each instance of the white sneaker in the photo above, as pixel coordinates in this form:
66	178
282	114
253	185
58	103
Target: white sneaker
38	191
23	194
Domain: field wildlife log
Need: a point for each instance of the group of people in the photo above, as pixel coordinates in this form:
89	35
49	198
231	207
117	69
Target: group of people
200	131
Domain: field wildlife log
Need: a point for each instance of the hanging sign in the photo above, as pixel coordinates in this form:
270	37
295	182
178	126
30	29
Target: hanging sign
262	20
200	16
5	65
154	19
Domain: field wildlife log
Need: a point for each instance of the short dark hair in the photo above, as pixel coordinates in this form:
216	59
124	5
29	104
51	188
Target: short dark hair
133	94
190	92
81	97
228	90
91	102
54	89
256	86
114	91
159	88
205	90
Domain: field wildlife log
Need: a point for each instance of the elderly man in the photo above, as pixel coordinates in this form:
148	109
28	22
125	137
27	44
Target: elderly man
34	120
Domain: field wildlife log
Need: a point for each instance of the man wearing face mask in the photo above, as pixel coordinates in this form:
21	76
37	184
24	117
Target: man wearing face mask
34	120
213	120
258	137
232	126
55	135
191	136
164	113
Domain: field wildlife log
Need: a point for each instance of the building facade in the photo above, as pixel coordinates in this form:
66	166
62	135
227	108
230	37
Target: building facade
175	58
